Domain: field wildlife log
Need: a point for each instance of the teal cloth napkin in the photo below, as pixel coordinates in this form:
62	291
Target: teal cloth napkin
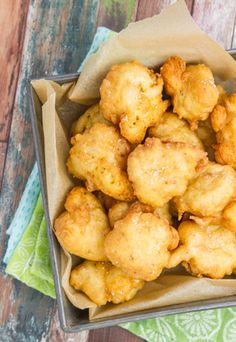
28	260
23	213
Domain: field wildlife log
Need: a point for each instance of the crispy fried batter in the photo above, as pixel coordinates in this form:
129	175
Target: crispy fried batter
205	251
99	156
131	96
164	212
119	211
229	216
89	277
222	94
104	283
120	286
218	118
140	243
207	135
223	120
172	128
88	119
192	88
82	228
209	191
107	201
159	171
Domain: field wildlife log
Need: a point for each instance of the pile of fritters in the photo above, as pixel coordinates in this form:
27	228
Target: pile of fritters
157	156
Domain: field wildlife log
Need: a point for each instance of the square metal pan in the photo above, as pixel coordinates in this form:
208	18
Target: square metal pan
72	319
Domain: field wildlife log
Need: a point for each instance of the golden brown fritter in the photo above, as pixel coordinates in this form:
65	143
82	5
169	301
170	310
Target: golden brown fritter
89	277
140	243
223	120
222	94
82	228
207	135
104	283
229	216
131	96
159	171
99	157
164	212
120	286
205	251
172	128
192	89
88	119
119	211
205	130
209	191
107	201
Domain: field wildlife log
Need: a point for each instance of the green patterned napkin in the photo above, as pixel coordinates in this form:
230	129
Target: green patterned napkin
202	326
30	262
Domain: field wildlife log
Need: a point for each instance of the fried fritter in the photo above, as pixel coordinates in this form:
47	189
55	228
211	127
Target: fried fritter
223	120
164	212
205	251
119	211
229	216
192	89
104	283
107	201
99	157
205	130
159	171
172	128
88	119
131	96
120	286
209	191
89	277
207	135
140	243
82	228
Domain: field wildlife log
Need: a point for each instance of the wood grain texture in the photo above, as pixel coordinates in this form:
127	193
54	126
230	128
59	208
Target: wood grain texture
116	14
3	148
55	334
150	7
114	334
58	36
233	45
12	27
217	18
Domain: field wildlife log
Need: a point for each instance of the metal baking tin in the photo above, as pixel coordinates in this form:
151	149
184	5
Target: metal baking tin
72	319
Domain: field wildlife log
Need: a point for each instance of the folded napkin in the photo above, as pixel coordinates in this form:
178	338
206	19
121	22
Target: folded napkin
28	259
23	213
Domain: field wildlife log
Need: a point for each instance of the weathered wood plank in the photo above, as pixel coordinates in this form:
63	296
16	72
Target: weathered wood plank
150	7
233	45
217	19
56	334
57	39
114	334
3	148
116	14
12	27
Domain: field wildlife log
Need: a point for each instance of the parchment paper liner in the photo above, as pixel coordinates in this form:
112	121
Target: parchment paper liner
150	41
